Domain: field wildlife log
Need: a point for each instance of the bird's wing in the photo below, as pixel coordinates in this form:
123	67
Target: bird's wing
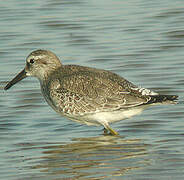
93	92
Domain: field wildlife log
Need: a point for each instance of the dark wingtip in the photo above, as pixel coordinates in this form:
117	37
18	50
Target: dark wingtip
164	99
174	97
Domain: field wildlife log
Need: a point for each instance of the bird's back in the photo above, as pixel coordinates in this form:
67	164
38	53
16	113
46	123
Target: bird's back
82	90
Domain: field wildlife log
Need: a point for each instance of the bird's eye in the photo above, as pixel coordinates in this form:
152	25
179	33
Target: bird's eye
31	61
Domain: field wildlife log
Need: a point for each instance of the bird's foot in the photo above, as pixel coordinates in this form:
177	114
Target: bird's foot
111	132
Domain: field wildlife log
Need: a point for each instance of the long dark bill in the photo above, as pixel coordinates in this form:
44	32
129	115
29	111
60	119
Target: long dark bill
16	79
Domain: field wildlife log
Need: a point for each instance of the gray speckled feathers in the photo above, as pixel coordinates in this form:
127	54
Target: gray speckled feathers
81	90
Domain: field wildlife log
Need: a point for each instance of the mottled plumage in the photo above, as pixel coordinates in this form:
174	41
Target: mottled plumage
88	95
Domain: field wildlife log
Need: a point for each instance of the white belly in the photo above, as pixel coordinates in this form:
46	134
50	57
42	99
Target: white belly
100	118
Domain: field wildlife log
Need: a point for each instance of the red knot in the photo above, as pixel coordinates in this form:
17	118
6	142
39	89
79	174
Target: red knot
87	95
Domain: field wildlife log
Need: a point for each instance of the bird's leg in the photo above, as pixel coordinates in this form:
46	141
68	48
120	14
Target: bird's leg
105	131
108	128
113	132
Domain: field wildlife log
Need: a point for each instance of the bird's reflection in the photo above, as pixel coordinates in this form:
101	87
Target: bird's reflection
95	157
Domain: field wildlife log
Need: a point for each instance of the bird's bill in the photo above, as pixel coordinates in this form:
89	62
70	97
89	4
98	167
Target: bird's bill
16	79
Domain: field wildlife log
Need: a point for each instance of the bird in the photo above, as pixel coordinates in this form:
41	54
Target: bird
87	95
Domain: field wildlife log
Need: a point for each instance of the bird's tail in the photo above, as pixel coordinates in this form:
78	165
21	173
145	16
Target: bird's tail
164	99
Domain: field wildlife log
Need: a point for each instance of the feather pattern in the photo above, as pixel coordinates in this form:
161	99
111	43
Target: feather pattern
83	90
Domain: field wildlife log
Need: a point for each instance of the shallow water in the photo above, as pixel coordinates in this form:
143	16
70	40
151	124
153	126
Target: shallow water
142	41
